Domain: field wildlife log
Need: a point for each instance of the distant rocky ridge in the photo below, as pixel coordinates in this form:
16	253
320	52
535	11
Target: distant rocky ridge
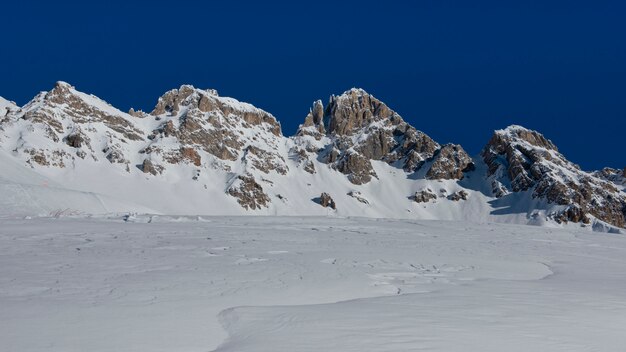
194	135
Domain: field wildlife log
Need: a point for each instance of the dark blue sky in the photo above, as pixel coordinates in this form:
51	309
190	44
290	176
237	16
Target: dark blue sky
456	70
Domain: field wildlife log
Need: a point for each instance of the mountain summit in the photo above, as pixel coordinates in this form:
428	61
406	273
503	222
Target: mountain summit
199	153
361	128
522	160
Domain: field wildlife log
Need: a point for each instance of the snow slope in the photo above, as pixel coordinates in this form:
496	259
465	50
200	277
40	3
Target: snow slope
163	283
6	106
27	193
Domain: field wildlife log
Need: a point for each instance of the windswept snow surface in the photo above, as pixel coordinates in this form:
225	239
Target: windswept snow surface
158	283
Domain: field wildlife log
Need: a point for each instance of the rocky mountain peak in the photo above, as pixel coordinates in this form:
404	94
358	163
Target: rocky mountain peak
516	133
63	85
519	160
62	92
527	155
356	109
171	101
188	101
76	126
361	128
200	127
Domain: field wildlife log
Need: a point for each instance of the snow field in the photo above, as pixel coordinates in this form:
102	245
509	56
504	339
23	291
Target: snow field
162	283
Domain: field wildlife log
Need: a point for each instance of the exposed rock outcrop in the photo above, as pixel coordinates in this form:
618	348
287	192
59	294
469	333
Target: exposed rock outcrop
149	168
528	161
314	121
138	113
358	196
188	99
358	168
359	128
222	127
75	140
265	161
450	162
327	201
302	156
249	193
618	177
75	124
424	196
459	195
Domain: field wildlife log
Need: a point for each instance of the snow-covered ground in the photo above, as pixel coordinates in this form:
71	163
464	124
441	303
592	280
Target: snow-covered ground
158	283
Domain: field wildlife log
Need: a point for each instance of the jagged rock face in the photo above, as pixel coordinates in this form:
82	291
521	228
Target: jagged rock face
65	100
187	99
222	127
265	161
184	155
314	121
249	193
78	125
450	162
618	177
529	162
138	113
524	151
354	110
359	128
358	168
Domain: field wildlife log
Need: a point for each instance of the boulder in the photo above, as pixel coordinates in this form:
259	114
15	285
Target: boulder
424	196
457	196
327	201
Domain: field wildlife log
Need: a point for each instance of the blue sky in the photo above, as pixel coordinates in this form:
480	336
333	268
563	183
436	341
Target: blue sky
456	70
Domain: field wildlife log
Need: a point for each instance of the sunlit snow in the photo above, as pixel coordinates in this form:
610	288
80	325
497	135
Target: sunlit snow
159	283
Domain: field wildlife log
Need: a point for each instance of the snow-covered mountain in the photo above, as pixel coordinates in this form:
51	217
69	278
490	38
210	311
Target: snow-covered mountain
199	153
523	161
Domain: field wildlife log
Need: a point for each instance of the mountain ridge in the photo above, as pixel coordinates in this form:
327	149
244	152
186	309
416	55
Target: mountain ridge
354	149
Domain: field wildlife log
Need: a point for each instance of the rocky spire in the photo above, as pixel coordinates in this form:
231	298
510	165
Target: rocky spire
354	110
314	121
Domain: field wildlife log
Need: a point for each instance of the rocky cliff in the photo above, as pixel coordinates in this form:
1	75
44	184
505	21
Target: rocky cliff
522	160
356	128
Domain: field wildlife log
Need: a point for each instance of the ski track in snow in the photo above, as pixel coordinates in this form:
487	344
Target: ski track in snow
307	284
